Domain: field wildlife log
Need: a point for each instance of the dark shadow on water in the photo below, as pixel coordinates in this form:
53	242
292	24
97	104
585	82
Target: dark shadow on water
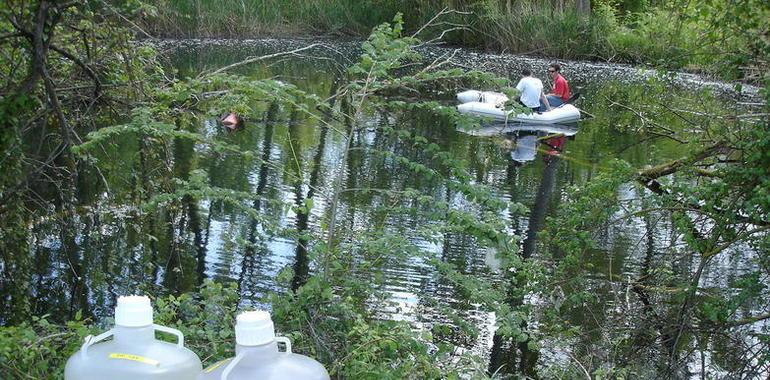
507	356
302	262
249	262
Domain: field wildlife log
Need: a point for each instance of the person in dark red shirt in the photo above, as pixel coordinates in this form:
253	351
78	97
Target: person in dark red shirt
560	92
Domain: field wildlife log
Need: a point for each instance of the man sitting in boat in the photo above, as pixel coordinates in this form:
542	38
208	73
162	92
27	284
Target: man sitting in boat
531	90
560	92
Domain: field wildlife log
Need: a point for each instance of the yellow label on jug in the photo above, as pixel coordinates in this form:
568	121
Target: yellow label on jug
216	365
135	358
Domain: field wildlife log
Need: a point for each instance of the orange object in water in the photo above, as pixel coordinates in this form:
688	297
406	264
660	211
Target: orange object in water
231	120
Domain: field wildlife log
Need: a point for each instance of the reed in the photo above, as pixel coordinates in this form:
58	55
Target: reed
550	28
244	18
524	27
548	32
226	18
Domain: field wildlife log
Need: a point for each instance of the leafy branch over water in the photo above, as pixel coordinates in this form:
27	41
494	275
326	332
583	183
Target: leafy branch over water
710	202
332	314
698	210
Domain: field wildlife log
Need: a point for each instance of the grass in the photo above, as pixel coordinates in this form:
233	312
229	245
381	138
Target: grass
525	28
562	34
656	37
243	18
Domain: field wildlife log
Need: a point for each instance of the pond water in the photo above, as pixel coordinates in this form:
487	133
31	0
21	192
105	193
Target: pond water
103	255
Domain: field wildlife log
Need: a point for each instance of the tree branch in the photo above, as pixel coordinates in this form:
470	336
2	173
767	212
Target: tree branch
443	12
10	35
88	70
748	321
673	166
148	35
257	59
39	47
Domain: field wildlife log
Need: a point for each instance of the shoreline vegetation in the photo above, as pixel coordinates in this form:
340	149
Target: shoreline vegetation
503	64
100	139
648	33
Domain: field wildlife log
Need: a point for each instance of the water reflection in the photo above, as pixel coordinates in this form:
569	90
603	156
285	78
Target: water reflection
506	355
173	249
301	264
255	248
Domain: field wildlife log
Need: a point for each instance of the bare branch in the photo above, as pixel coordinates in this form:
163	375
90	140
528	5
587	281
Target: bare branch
738	238
257	59
436	64
582	367
53	100
645	120
752	115
749	320
443	12
148	35
88	70
443	33
39	45
10	35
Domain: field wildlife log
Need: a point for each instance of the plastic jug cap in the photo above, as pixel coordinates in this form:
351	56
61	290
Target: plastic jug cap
133	311
254	328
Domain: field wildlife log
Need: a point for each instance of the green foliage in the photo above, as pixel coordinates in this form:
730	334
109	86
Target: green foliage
238	18
334	309
674	39
560	34
89	65
571	232
38	349
704	197
32	349
334	326
714	36
206	318
334	315
657	38
14	220
385	50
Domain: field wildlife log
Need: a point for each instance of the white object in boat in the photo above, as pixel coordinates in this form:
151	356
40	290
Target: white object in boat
566	113
488	97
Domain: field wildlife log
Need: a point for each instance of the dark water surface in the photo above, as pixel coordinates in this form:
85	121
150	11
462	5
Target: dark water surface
104	255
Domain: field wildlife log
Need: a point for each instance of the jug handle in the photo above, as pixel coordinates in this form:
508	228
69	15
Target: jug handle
89	340
240	356
231	366
179	335
285	341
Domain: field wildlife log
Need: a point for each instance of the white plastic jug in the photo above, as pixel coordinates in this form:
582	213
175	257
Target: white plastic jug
257	356
133	353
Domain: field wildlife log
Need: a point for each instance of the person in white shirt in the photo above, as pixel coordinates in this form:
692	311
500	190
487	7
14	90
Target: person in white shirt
532	95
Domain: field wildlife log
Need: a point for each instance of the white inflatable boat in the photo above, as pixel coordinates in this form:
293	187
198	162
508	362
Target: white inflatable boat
489	104
498	129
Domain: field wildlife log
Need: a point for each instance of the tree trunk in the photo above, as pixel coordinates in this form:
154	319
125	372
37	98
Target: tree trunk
583	7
